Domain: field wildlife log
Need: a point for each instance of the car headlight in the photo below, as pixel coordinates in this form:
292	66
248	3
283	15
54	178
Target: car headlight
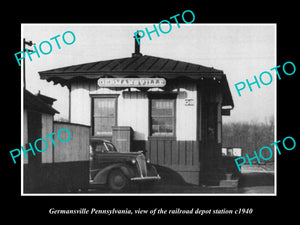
133	161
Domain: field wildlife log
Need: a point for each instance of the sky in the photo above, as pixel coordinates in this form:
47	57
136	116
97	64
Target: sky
241	51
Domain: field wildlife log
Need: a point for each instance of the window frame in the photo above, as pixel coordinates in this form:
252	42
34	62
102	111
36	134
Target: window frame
162	96
103	96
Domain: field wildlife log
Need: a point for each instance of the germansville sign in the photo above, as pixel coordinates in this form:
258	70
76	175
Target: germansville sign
131	82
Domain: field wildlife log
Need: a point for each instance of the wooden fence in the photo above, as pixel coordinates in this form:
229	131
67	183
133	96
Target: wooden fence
66	166
77	148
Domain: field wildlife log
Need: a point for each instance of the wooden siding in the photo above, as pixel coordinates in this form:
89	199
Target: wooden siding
65	166
77	148
133	111
25	134
186	116
133	108
80	105
178	155
47	128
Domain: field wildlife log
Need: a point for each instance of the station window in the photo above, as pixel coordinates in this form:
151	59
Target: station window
162	117
104	115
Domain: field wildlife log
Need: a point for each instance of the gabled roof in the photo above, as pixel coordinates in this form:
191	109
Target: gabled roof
138	66
48	100
35	103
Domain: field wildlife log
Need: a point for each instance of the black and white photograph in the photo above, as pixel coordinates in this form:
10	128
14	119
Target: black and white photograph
134	113
149	109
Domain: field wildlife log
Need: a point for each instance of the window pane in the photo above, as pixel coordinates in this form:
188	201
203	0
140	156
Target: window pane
100	148
103	125
162	116
155	129
162	125
110	147
162	121
104	115
162	107
104	107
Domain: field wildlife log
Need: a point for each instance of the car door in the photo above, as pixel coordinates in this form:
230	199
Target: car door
97	160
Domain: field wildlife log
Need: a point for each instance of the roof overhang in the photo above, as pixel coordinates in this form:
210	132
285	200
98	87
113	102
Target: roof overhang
62	78
140	67
36	103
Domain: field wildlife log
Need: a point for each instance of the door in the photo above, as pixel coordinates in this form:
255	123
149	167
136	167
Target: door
210	148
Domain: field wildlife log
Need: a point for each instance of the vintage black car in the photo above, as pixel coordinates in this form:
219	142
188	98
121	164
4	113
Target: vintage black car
119	170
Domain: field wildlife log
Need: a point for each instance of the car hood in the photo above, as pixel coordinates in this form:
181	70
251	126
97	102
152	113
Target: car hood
123	154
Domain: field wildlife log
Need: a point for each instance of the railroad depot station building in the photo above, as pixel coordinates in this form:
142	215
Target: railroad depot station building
171	109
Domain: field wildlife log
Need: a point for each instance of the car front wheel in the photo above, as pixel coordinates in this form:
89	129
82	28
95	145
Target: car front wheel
117	181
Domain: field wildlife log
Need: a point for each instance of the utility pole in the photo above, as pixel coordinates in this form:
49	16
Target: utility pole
29	43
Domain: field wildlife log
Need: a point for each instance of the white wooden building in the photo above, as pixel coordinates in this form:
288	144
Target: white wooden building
179	125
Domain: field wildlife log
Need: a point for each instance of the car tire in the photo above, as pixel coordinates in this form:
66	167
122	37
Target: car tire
117	180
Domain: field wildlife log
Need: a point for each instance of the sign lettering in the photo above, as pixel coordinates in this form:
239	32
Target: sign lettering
131	82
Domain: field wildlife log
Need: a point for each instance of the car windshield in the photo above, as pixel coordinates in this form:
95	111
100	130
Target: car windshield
100	148
110	147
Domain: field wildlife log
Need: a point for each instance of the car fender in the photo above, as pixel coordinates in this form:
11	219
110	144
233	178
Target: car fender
151	170
101	176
